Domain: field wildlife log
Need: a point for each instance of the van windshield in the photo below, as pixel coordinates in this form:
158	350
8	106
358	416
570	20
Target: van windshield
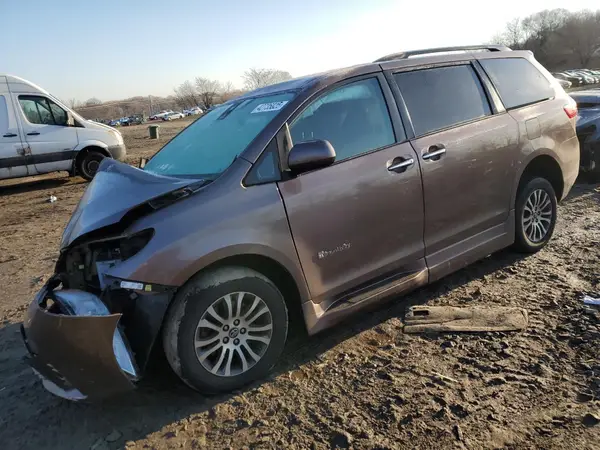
210	144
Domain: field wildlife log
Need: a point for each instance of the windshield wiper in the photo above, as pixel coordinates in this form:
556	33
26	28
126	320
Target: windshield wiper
228	111
178	194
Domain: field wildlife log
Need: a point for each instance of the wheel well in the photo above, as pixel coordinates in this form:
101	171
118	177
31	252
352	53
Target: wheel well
274	272
84	151
544	166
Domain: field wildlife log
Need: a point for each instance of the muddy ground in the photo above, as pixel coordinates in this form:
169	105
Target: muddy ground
364	384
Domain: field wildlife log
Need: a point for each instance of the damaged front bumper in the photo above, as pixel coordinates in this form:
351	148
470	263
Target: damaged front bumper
76	346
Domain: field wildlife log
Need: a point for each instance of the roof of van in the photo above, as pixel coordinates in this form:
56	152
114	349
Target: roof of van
441	54
22	83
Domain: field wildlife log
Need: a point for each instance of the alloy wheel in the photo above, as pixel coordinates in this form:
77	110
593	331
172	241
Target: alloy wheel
537	215
233	334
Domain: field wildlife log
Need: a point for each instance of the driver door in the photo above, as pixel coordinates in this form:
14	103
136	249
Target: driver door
357	222
49	137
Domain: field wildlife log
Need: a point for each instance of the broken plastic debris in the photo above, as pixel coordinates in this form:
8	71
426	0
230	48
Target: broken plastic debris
52	199
422	319
589	300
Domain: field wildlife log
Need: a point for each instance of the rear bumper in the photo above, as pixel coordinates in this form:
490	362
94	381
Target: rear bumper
73	345
118	152
569	158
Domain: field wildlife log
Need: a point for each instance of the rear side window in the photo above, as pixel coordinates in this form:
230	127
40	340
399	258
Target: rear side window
518	82
442	97
3	115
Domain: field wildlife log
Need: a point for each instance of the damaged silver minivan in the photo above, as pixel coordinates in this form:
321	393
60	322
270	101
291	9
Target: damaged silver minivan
311	199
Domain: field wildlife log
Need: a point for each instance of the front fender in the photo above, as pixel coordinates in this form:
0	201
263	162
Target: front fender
222	220
91	143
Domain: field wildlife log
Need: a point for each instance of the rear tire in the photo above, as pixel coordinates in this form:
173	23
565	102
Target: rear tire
225	329
535	215
89	163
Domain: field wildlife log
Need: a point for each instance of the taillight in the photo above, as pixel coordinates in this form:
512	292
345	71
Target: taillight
571	109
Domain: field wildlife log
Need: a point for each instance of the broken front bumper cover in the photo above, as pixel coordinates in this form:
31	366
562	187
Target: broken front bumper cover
75	345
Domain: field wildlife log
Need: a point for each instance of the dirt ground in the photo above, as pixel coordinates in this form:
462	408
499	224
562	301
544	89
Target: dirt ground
363	384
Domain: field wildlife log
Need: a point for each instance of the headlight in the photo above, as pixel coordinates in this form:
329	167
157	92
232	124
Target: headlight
87	304
133	244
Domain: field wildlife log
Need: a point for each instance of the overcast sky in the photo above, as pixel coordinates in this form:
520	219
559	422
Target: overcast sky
113	49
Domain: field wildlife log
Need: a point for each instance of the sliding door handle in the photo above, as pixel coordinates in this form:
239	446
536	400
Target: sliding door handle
33	133
401	166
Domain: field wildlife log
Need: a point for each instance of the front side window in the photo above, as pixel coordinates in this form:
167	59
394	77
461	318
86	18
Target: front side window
42	111
442	97
353	118
210	144
518	82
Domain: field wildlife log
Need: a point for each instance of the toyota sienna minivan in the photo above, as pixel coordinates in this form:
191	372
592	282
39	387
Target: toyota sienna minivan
310	199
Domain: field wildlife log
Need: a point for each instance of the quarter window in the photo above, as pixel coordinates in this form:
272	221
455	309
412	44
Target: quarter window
42	111
442	97
353	118
518	82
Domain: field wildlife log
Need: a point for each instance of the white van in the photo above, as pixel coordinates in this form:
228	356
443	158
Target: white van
39	134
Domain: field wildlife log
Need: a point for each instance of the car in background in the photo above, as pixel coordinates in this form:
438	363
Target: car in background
587	78
115	123
593	73
136	119
192	111
588	129
173	116
564	83
160	115
40	134
575	80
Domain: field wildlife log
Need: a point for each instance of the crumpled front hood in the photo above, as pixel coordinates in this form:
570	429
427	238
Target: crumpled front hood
115	189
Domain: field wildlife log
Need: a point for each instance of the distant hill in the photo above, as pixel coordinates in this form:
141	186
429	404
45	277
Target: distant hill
139	105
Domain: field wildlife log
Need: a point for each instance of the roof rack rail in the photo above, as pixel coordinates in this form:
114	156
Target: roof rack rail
404	55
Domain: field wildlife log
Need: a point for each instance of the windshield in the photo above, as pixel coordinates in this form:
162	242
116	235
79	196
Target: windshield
210	144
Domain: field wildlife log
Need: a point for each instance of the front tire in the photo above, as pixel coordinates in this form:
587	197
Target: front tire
89	163
535	215
225	329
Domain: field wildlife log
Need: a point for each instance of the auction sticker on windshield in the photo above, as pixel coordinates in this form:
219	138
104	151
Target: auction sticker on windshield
268	107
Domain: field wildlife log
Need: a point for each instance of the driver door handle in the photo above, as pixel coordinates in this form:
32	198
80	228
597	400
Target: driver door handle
434	152
9	135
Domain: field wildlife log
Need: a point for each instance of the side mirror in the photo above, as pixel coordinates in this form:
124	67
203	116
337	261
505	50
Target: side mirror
310	155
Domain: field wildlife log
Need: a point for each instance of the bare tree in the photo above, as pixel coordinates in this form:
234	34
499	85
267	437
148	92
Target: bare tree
558	38
541	29
257	78
513	36
74	103
186	95
580	35
207	90
93	101
227	88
